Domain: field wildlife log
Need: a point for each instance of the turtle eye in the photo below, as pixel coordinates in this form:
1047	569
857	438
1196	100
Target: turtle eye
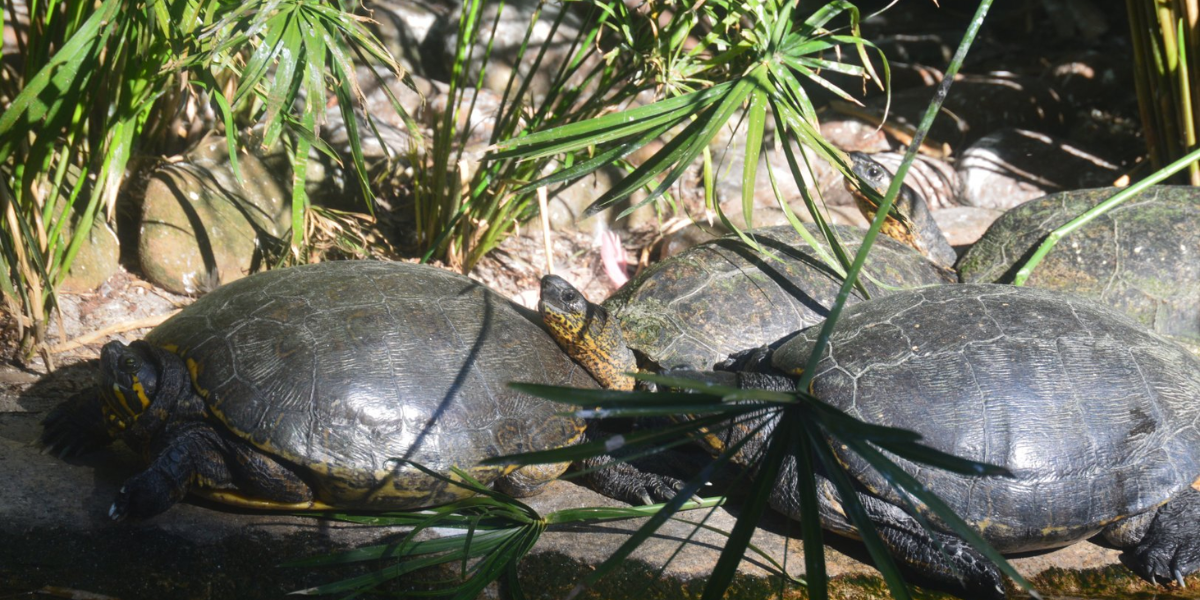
570	297
130	364
874	172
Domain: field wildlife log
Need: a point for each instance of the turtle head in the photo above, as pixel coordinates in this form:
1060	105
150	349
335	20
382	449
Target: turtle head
909	221
129	382
587	333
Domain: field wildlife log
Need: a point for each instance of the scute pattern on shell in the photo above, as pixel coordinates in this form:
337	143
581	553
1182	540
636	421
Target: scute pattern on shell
1097	417
343	367
718	298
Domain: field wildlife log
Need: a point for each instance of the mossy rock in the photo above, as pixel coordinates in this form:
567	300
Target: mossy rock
201	228
96	261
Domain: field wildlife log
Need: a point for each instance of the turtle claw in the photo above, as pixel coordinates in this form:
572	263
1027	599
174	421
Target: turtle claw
1170	549
624	482
144	495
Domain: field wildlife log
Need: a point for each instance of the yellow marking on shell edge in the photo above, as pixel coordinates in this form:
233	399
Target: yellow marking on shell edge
238	499
1196	484
172	348
194	370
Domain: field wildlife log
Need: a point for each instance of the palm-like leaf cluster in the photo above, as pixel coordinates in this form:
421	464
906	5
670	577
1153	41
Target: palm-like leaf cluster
105	80
751	66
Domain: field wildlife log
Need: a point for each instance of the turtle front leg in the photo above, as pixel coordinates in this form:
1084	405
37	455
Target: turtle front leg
947	561
938	559
188	455
1170	549
195	455
622	481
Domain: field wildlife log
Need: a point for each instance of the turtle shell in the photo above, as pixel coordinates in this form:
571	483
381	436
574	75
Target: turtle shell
340	368
1143	257
1097	417
719	298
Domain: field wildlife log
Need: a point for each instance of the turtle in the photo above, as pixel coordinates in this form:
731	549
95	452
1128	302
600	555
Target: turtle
715	301
910	221
1140	257
1096	417
319	386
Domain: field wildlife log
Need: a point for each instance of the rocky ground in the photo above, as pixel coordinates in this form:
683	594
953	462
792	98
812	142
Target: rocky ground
1060	119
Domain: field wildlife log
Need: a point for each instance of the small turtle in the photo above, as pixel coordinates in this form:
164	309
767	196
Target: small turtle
713	301
1142	257
310	387
1096	417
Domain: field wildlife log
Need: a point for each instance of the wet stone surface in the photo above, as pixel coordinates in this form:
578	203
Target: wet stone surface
54	531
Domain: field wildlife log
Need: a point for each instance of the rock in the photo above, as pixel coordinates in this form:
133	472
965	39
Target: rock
200	228
402	28
377	82
480	122
99	254
509	35
964	225
96	261
1012	166
853	134
391	141
728	163
976	106
903	76
1089	77
54	531
566	204
933	178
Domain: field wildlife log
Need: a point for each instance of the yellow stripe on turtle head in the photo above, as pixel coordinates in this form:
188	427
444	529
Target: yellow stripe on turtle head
587	333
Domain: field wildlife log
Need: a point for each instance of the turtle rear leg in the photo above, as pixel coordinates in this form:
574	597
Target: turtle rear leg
261	476
1170	548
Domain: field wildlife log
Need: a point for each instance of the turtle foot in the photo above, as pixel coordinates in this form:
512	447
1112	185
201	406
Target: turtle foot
1163	565
1170	549
625	482
144	495
946	562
